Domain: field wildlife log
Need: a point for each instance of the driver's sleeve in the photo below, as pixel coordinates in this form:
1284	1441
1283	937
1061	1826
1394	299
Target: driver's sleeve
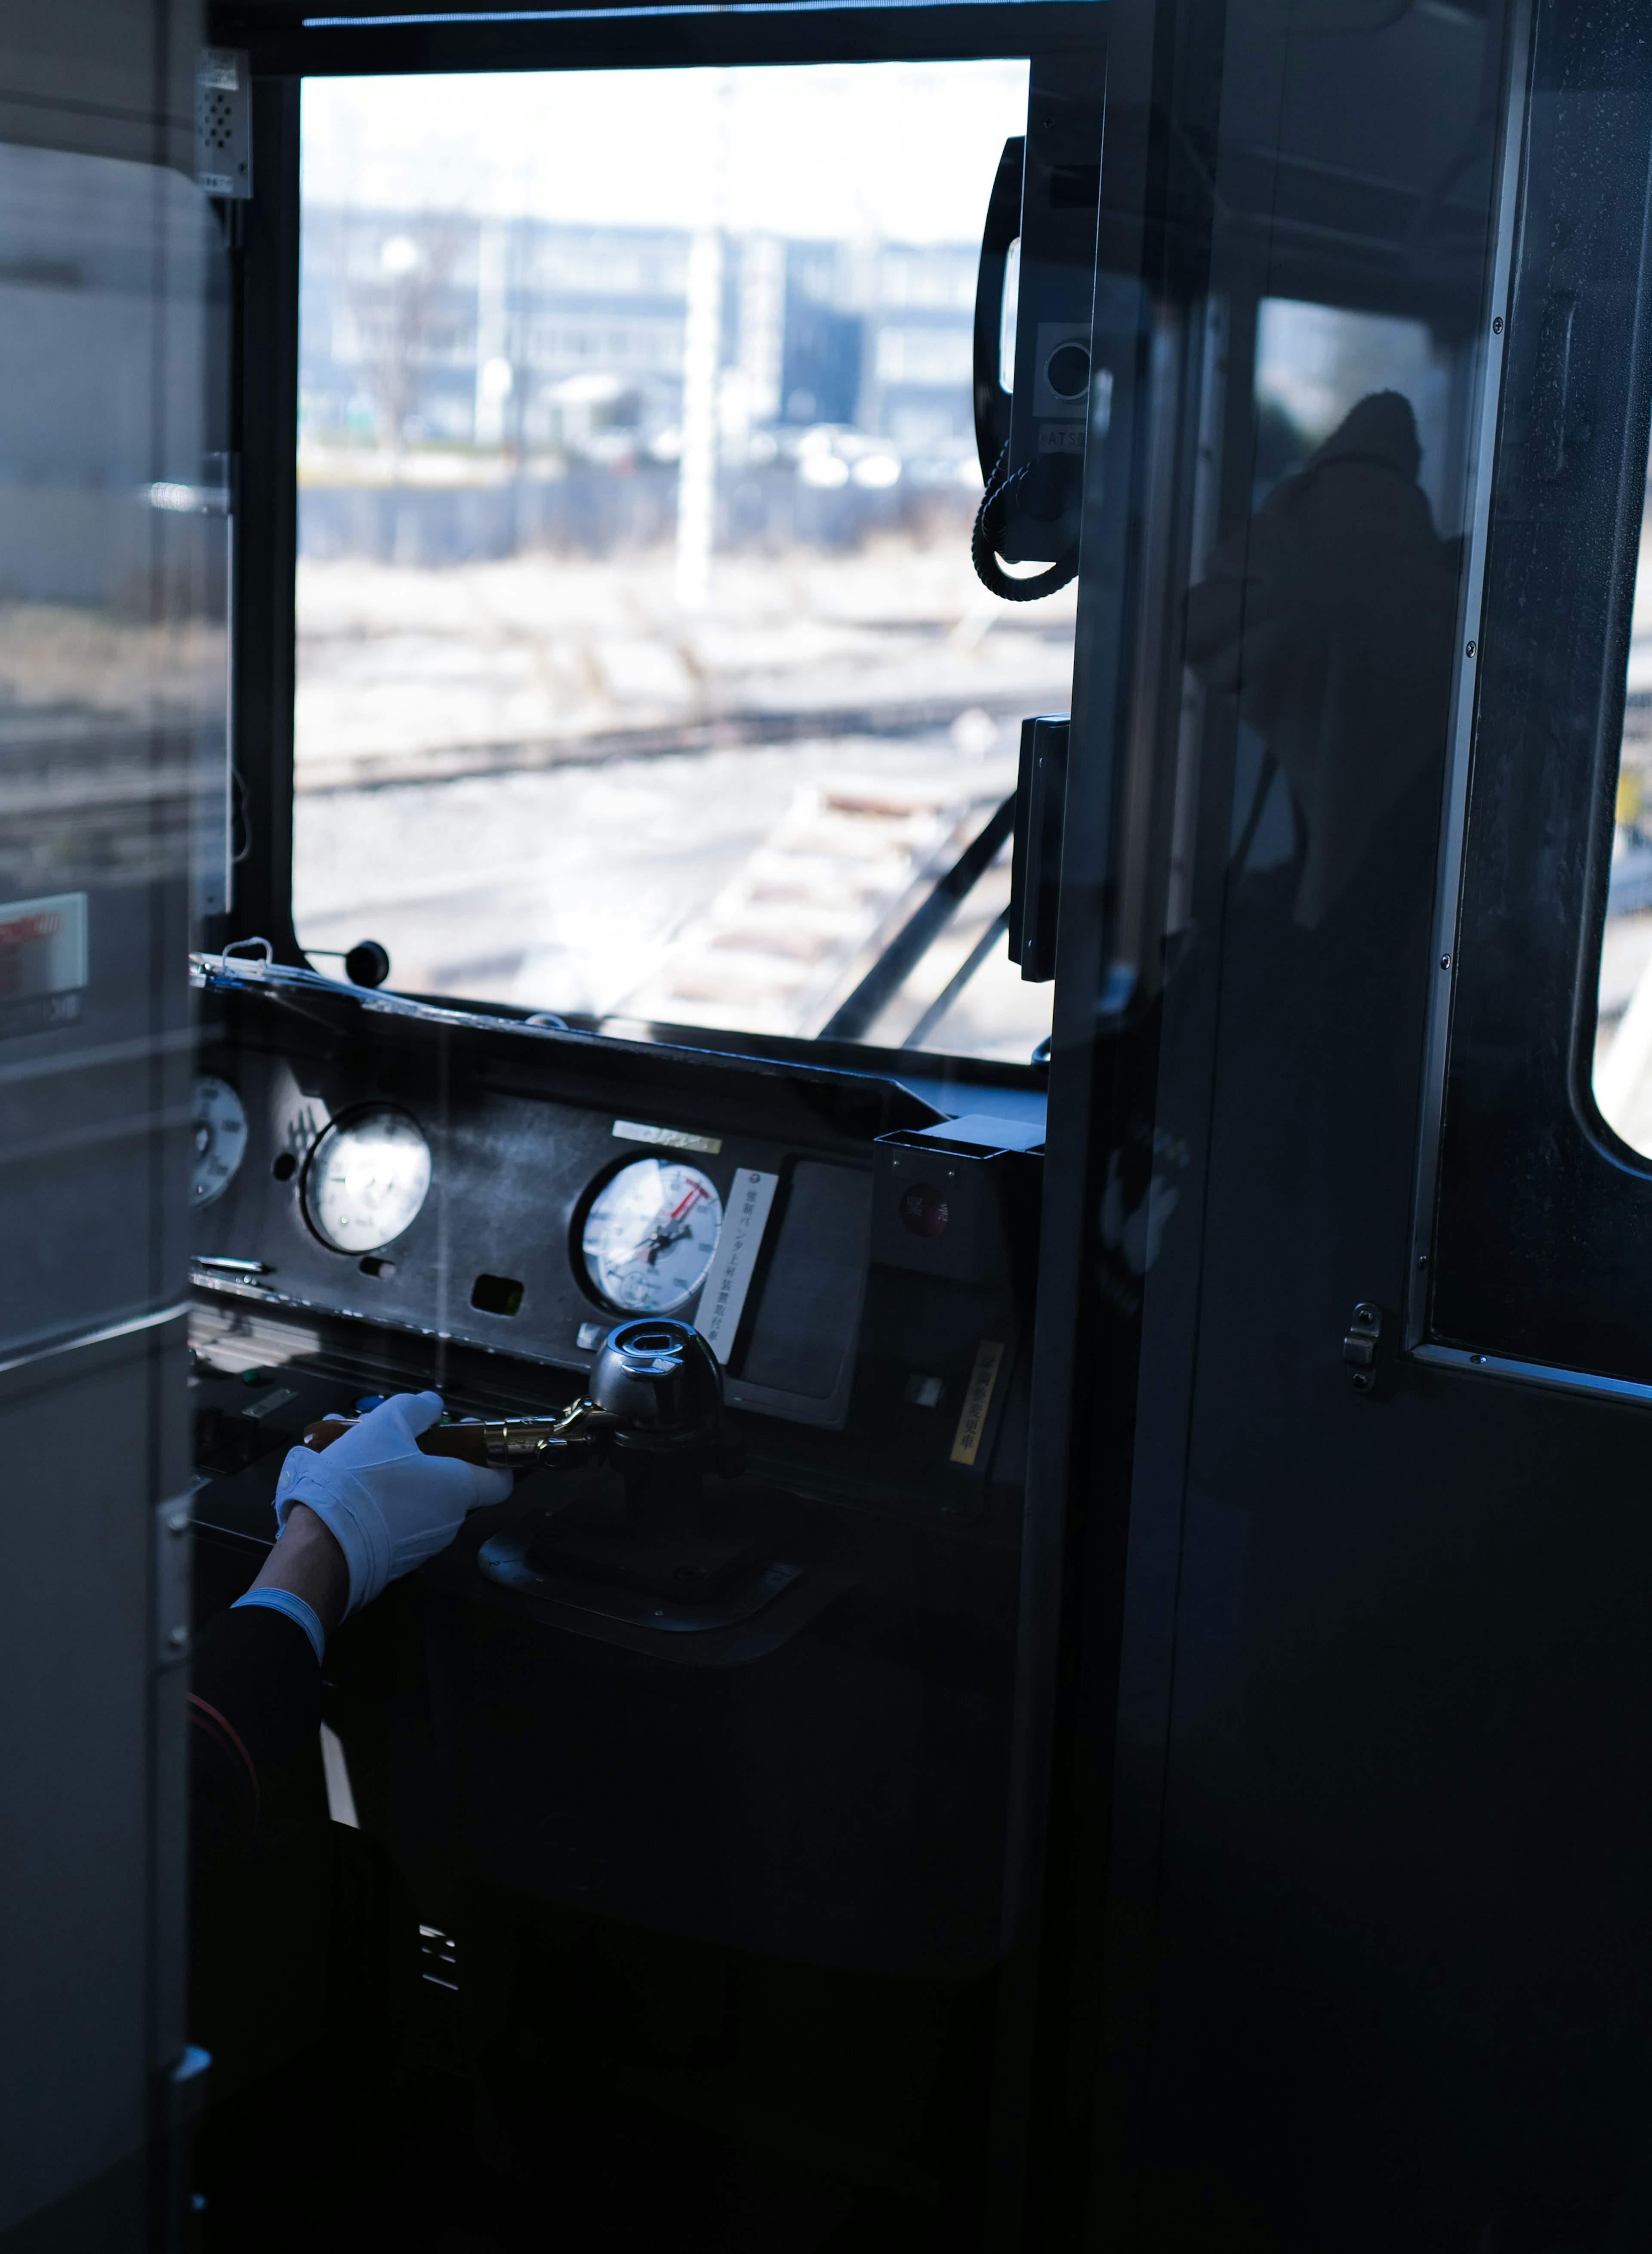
254	1708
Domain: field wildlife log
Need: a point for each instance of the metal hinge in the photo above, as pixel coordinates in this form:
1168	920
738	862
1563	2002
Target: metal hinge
173	1557
1360	1346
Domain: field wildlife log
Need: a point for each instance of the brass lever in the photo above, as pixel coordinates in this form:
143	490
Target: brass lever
498	1443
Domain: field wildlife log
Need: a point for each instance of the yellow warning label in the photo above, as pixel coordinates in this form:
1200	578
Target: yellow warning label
978	1401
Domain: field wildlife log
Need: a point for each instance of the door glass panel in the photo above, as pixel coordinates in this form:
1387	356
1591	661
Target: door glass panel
642	673
1332	348
1623	1026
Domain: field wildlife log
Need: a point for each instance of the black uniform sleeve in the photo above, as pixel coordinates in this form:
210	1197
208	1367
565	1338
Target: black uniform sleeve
255	1705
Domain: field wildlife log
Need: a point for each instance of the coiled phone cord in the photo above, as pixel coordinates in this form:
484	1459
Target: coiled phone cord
990	520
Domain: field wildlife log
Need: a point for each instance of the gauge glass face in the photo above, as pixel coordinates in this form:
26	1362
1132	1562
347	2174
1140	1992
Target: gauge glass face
650	1235
366	1179
220	1140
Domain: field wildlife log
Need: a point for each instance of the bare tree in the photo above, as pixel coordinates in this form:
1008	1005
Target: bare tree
403	318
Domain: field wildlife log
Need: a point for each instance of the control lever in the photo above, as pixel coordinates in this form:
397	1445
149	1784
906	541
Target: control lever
654	1408
671	1558
662	1387
497	1443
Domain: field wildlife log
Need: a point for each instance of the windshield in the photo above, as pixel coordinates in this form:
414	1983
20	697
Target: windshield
642	673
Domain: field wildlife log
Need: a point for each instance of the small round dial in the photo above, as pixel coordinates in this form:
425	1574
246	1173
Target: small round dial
366	1179
650	1235
220	1140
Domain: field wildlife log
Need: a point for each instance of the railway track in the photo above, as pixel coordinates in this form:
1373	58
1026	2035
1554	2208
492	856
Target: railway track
725	731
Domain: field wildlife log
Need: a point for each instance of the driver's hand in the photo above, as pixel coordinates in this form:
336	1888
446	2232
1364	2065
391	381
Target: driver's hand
387	1507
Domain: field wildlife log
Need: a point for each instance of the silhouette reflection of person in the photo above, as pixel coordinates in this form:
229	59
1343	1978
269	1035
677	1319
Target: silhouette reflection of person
1325	623
1330	615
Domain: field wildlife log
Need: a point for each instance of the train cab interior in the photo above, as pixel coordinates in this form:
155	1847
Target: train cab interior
879	769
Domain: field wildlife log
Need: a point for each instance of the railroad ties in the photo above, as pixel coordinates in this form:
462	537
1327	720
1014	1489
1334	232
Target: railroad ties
809	911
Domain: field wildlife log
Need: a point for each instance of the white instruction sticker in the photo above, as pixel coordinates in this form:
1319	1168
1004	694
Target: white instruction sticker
43	964
746	1212
674	1139
966	1444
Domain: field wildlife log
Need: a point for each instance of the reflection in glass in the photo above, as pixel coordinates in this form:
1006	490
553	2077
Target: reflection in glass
1623	1029
1329	614
1316	362
1342	337
643	672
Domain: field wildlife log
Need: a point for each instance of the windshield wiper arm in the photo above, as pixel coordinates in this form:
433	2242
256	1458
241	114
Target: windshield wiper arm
905	950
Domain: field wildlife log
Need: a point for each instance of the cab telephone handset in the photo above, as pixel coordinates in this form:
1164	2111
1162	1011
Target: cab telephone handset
1040	231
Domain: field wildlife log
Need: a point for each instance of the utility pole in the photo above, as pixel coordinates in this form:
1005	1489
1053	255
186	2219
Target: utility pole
493	365
701	363
696	476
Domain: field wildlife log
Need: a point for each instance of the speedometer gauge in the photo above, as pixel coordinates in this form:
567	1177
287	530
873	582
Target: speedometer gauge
220	1138
650	1235
366	1179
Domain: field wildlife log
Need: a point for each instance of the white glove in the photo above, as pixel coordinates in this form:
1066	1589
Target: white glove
387	1507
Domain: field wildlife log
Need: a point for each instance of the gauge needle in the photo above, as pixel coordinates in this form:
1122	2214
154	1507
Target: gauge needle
669	1228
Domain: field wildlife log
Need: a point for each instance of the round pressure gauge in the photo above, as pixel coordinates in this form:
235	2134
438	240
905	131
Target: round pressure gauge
220	1140
649	1236
366	1180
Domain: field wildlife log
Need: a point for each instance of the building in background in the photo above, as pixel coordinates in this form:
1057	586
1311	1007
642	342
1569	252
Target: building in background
452	350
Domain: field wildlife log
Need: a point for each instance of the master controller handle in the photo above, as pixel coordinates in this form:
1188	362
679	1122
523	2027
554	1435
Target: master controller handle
656	1405
499	1444
659	1383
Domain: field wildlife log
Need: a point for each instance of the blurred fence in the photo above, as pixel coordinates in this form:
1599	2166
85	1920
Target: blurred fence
596	511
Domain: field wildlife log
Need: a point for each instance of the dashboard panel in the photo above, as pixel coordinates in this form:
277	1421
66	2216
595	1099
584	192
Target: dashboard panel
519	1189
388	1180
404	1195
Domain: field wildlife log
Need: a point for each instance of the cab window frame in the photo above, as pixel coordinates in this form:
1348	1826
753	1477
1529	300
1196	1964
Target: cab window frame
262	245
1534	1219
